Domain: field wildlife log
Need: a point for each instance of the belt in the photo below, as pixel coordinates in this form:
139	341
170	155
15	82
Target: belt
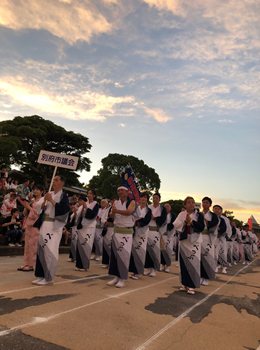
124	230
153	228
205	232
110	224
165	234
47	218
98	226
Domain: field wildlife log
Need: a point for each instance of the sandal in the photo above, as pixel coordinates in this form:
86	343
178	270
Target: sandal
191	291
28	268
183	289
21	268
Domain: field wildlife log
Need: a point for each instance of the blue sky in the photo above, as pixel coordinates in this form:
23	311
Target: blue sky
172	82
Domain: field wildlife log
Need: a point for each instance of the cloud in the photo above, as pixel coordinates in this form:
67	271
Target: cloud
69	20
157	113
68	104
119	85
122	125
225	121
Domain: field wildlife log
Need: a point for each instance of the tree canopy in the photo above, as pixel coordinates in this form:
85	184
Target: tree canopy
176	205
109	176
229	214
22	139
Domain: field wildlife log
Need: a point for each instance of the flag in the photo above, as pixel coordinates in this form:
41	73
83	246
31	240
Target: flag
129	181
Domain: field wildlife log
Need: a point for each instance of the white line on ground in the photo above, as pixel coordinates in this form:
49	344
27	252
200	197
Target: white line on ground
67	281
185	313
46	319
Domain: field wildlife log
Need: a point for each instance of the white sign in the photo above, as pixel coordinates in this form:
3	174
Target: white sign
58	160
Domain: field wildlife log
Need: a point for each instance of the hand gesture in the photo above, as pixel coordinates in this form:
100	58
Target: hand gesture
48	196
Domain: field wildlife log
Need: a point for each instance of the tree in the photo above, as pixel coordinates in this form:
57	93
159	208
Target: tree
229	215
109	176
22	139
176	205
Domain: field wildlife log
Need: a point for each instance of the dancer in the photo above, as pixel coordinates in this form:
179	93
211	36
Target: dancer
247	240
107	233
235	244
86	231
157	228
169	238
122	213
190	223
222	227
51	221
138	254
31	233
209	235
98	239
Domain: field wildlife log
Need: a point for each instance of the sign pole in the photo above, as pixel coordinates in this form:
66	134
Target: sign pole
54	173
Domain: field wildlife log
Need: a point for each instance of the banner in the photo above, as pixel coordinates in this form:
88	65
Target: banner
129	182
250	223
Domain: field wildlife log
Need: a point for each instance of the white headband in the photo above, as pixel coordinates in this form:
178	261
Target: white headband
122	188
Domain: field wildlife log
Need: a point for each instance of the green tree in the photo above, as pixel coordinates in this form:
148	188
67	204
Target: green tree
109	176
176	205
229	214
22	139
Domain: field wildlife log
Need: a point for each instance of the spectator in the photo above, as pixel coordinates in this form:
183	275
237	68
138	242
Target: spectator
7	196
15	184
8	205
23	191
31	185
12	228
65	233
2	186
73	200
10	183
3	171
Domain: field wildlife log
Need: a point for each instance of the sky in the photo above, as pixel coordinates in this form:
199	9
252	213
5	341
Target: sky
175	83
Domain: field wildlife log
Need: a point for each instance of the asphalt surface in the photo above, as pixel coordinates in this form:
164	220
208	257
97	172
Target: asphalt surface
79	311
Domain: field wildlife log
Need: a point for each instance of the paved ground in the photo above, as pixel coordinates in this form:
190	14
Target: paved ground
81	312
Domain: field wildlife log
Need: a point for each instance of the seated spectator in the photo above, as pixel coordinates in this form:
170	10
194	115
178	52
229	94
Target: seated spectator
3	171
15	184
10	183
23	191
65	233
73	200
12	228
7	196
8	205
31	185
2	186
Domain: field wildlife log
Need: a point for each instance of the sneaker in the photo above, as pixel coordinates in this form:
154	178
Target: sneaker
92	257
11	245
167	269
97	258
162	268
70	260
248	263
146	273
205	282
216	269
43	282
191	291
183	289
224	270
230	265
18	245
135	277
153	273
113	282
38	280
120	283
105	266
235	263
243	263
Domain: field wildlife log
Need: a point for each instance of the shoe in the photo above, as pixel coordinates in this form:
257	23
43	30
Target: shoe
38	280
120	283
70	260
216	269
153	273
205	282
105	266
230	265
146	273
183	289
44	282
248	263
162	268
191	291
224	270
97	258
92	257
18	245
243	263
21	268
28	268
78	269
11	245
235	263
113	282
177	265
167	269
135	277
